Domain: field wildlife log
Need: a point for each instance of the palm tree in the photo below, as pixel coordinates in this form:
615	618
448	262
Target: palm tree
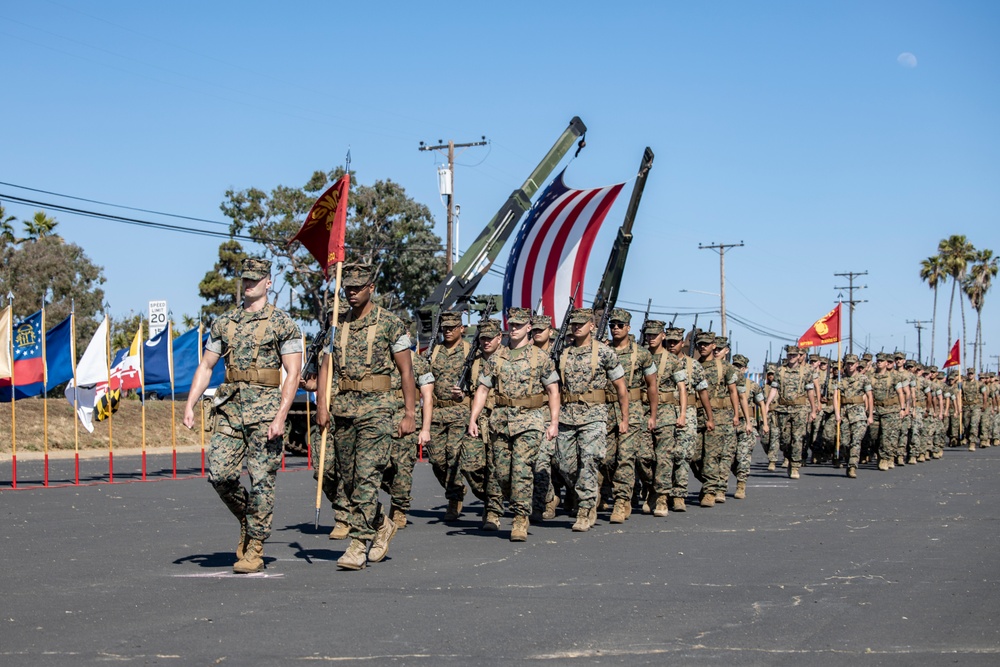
956	252
980	279
40	225
6	228
932	272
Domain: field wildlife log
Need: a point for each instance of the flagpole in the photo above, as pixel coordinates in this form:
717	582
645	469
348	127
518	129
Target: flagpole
328	380
836	454
45	401
308	422
76	392
200	336
13	393
173	404
107	357
142	393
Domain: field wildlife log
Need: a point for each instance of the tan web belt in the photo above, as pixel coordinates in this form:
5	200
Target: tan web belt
888	403
853	400
533	401
721	404
593	396
801	400
664	398
266	377
448	403
368	384
635	394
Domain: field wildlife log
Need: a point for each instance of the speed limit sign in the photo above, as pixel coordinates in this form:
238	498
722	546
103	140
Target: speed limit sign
157	317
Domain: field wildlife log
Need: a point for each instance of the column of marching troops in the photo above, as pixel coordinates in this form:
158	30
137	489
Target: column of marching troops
601	427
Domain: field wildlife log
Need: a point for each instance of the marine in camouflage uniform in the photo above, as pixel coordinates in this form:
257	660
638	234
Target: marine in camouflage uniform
488	345
937	438
770	439
825	445
697	415
368	344
796	406
640	381
746	432
585	368
523	382
256	341
545	495
669	469
905	379
889	408
853	398
972	409
397	478
953	408
710	466
452	453
921	389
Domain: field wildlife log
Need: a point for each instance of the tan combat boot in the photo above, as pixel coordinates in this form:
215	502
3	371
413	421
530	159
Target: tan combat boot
620	512
380	545
650	503
921	458
720	497
253	558
355	558
741	491
883	464
852	472
900	460
938	455
244	538
972	446
582	524
519	531
661	507
786	463
454	510
771	466
340	531
708	500
398	516
678	504
912	460
793	472
550	508
491	522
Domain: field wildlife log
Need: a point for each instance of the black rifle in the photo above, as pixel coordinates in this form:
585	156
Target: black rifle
435	330
560	342
692	335
316	348
474	351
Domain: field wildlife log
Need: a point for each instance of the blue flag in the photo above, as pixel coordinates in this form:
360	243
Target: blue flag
28	358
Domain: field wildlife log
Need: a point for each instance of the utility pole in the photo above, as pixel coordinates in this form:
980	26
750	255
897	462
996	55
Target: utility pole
919	324
446	184
721	248
851	275
997	357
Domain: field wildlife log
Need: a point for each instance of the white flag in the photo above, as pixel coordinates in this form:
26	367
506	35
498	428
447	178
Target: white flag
90	372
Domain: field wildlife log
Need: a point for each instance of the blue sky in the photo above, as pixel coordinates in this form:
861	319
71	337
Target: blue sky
790	126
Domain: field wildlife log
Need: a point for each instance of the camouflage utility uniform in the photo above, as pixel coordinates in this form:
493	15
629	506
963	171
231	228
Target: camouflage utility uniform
397	478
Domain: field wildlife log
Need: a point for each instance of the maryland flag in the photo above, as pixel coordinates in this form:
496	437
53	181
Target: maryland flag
954	357
323	231
826	330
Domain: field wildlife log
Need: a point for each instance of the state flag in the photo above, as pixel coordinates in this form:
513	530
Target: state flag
27	369
91	372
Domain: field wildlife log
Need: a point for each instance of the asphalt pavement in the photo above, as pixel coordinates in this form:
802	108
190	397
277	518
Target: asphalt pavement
894	568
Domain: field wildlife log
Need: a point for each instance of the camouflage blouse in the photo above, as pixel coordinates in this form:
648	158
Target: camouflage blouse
580	373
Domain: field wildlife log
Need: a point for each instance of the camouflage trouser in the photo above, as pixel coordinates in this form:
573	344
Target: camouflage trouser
826	442
792	432
363	446
744	450
543	490
771	441
332	488
511	466
645	462
397	478
670	454
852	433
918	438
885	431
905	428
228	449
938	437
972	416
620	461
709	466
953	428
450	452
579	450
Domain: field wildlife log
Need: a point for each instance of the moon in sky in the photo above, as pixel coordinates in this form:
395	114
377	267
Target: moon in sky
907	60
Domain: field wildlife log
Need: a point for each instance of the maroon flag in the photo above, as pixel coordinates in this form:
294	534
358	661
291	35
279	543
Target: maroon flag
323	231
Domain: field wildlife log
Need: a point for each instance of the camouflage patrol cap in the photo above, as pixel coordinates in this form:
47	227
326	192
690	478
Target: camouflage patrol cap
970	370
721	342
867	356
541	322
674	333
792	349
898	355
357	275
771	369
451	318
581	315
488	329
933	369
621	315
655	327
850	358
883	356
706	337
519	315
815	357
255	268
909	363
740	360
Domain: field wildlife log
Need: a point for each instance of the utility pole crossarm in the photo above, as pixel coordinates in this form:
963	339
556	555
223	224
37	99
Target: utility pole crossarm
851	275
721	248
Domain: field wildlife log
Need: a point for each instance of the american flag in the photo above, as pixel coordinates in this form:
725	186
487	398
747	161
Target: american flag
553	245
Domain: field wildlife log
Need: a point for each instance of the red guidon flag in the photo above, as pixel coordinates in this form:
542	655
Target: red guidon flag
826	330
323	231
954	357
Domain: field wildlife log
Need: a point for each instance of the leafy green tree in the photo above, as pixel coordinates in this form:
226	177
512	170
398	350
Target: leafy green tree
956	252
221	286
932	272
7	227
61	273
39	226
977	284
385	227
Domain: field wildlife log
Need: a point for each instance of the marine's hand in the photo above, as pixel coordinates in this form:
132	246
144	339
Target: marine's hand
623	427
473	429
406	427
710	425
276	429
552	432
308	383
456	393
189	417
424	437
